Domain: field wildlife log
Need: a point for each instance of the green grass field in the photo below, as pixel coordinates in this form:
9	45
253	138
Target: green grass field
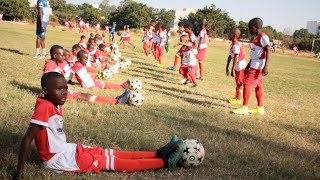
283	144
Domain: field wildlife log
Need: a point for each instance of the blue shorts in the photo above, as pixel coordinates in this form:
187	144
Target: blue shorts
39	32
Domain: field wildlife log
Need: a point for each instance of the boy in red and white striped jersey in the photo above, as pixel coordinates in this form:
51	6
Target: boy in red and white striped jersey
256	68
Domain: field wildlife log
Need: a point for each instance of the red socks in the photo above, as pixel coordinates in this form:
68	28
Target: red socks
246	95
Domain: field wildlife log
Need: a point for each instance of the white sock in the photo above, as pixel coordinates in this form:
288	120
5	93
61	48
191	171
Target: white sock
44	51
37	51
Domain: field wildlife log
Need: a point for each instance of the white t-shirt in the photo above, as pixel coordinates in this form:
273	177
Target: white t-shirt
257	51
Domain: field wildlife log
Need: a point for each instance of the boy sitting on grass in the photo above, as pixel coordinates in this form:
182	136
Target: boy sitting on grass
46	128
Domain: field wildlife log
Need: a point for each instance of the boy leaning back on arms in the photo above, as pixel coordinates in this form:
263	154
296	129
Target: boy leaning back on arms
46	128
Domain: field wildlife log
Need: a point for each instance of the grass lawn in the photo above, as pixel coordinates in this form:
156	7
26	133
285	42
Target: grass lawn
283	144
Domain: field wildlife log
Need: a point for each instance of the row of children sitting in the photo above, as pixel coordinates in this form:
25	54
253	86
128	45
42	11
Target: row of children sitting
75	63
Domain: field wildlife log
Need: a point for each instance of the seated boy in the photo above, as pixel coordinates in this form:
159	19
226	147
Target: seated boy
73	55
82	42
189	62
86	80
46	128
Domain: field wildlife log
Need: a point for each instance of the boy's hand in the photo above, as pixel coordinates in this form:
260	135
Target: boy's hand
232	73
265	71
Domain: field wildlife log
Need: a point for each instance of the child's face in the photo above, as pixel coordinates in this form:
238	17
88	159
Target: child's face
91	48
59	56
57	91
83	59
75	51
185	39
187	30
181	29
103	48
66	55
253	30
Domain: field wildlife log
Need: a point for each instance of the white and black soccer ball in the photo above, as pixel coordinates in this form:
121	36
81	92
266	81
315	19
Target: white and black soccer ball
114	69
107	73
122	65
136	98
135	85
128	61
193	154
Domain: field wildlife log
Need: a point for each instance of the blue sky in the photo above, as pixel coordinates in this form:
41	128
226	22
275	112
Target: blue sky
279	14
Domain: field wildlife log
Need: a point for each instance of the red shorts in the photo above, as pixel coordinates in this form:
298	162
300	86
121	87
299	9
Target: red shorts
201	54
239	77
146	45
99	84
190	70
254	78
126	39
73	95
90	159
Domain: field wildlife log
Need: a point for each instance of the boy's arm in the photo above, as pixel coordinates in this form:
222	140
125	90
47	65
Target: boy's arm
185	44
246	71
265	69
235	59
200	40
227	67
40	12
25	147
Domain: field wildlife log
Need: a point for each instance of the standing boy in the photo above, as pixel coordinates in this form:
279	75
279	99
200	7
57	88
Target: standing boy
237	56
256	68
202	48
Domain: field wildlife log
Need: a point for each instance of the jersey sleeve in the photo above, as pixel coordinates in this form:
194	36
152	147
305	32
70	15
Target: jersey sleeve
236	49
41	115
193	38
49	67
265	41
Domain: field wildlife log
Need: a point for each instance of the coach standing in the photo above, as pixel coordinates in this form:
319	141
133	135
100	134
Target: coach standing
44	12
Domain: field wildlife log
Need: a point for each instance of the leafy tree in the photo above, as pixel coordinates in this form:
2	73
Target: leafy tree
131	13
219	22
106	8
165	16
92	15
14	9
243	26
303	39
58	5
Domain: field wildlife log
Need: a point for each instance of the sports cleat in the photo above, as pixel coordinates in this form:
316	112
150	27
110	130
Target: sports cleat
200	78
186	82
257	110
195	86
174	154
163	151
38	56
158	65
124	97
242	110
234	101
172	68
126	84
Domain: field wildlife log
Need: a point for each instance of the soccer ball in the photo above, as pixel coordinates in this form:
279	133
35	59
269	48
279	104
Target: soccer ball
122	65
114	69
135	85
136	98
193	154
107	73
128	61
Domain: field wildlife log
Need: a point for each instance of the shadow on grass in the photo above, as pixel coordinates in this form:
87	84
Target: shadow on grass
188	92
290	162
190	100
159	70
13	51
9	150
147	77
25	87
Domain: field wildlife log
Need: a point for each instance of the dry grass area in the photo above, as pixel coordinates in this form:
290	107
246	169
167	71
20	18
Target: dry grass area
283	144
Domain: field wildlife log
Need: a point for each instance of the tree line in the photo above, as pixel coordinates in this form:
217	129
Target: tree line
137	15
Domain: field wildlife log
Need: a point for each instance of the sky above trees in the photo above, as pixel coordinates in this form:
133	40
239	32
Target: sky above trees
278	14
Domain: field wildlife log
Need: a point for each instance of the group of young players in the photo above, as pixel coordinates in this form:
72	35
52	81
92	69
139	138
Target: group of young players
46	125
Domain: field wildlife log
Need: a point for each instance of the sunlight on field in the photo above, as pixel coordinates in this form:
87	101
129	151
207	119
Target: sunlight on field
283	144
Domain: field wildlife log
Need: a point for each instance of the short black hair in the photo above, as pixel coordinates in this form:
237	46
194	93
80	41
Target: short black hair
188	25
256	22
76	47
90	39
89	46
54	49
83	36
102	46
181	23
81	53
47	77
